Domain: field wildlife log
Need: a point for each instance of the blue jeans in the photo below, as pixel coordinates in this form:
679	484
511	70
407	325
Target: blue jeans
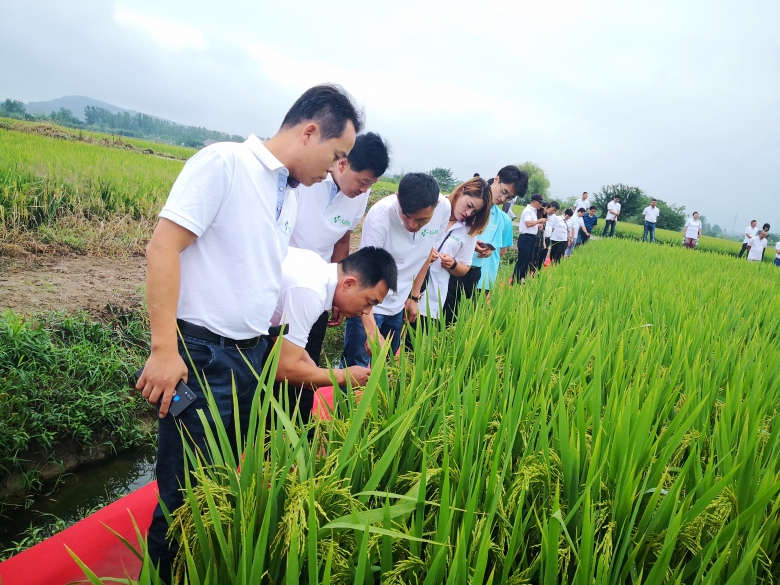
355	353
777	262
649	229
219	365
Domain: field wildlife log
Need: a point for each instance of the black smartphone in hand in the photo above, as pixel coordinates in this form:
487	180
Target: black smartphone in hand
182	396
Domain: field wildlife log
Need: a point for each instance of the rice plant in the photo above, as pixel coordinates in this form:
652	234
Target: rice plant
613	421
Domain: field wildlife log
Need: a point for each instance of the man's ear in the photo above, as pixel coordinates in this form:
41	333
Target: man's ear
349	282
310	131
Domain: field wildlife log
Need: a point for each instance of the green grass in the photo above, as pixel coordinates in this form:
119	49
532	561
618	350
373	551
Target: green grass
64	380
621	428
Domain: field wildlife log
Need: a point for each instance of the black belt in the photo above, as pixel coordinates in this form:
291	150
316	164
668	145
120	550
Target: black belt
531	235
199	332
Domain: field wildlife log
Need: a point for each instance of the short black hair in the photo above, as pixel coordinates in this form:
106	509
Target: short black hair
330	106
369	153
511	175
766	226
593	207
568	212
656	200
554	205
417	191
372	265
582	209
476	175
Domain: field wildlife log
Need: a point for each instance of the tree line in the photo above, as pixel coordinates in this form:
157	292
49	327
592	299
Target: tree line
125	124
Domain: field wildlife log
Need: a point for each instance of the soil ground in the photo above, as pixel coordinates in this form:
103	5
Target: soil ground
69	283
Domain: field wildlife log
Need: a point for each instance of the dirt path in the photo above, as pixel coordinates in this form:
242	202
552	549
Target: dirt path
69	283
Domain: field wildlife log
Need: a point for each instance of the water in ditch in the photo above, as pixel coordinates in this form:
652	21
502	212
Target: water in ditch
78	493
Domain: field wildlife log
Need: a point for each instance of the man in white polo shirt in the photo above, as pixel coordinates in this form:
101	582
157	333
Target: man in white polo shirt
214	268
409	225
757	246
583	203
529	226
650	214
613	212
751	232
310	285
334	208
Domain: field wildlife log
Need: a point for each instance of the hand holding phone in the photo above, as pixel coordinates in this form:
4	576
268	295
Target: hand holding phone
182	396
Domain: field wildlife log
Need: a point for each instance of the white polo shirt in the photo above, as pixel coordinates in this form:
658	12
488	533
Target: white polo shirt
383	228
612	209
528	214
325	216
575	223
757	246
692	228
560	231
581	204
752	231
308	286
460	245
548	226
651	213
228	195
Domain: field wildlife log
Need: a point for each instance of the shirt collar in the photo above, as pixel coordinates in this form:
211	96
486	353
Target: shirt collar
330	287
264	155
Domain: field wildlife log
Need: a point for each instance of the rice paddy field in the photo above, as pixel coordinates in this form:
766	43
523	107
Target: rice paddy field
613	421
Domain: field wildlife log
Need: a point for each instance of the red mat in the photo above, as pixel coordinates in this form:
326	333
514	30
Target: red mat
49	563
322	397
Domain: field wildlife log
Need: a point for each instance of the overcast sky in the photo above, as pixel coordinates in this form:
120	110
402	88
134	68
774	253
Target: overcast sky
681	99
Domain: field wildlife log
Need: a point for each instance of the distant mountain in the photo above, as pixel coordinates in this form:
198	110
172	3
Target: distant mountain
74	103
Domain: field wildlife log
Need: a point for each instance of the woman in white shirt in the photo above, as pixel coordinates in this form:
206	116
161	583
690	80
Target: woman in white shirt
469	216
692	231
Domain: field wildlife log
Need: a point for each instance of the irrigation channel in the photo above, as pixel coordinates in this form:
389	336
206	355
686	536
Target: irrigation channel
79	492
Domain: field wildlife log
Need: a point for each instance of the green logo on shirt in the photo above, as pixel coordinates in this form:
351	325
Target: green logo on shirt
427	232
342	220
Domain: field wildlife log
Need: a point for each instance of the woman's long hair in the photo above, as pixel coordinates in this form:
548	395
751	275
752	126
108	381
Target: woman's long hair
479	189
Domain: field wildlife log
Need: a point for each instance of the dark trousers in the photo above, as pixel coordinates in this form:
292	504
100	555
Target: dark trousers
355	353
609	224
525	250
582	238
743	250
649	229
459	287
222	366
556	250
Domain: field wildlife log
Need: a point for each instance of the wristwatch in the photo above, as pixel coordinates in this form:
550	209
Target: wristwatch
415	298
454	265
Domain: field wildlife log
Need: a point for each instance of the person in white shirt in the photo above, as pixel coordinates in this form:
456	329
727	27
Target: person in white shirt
613	212
214	269
310	285
777	254
410	225
650	214
751	232
550	210
470	206
560	238
583	202
575	225
529	226
692	231
335	207
757	246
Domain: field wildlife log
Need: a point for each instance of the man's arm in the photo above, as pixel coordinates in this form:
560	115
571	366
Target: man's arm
341	248
411	306
165	367
298	370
